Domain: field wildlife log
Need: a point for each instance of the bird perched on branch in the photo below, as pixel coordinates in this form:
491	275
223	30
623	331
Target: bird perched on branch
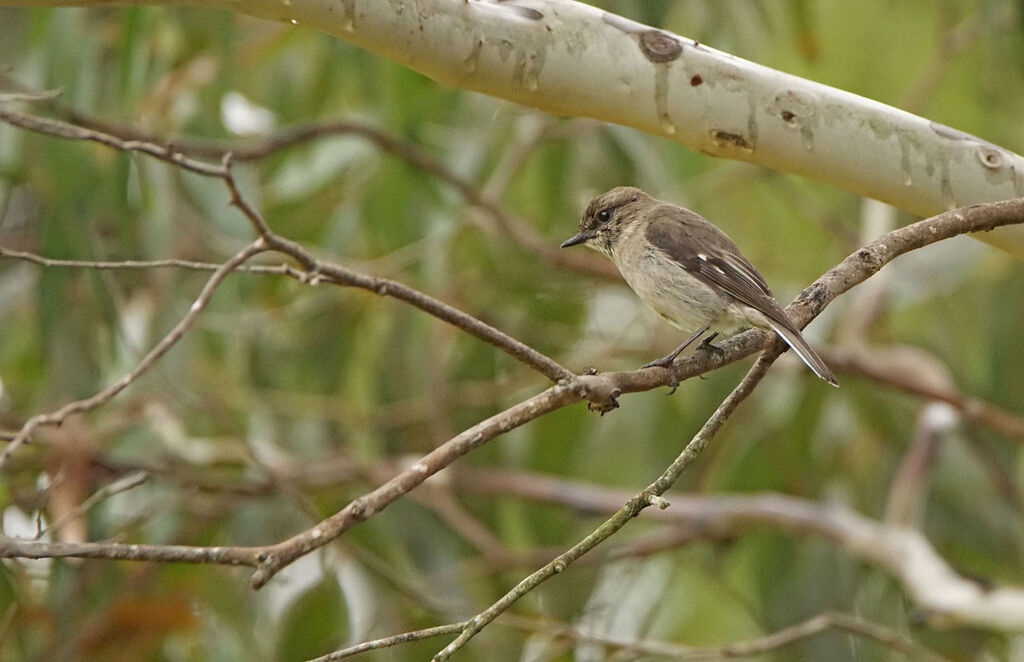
687	270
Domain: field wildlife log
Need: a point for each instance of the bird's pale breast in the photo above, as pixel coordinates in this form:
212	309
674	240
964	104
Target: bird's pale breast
683	300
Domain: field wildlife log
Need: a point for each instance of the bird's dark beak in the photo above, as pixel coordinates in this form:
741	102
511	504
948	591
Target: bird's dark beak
577	239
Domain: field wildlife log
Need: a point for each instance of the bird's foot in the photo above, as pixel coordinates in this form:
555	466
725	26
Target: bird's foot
666	362
707	346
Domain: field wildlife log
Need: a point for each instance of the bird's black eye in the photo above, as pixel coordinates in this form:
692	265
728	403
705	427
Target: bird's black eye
604	215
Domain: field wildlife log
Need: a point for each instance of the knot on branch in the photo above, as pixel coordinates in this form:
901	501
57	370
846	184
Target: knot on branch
815	298
600	392
871	260
357	510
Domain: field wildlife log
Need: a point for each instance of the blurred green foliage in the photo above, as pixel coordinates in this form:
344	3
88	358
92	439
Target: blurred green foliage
279	377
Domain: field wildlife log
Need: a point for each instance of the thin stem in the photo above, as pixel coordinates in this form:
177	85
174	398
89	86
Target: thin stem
631	509
175	334
388	642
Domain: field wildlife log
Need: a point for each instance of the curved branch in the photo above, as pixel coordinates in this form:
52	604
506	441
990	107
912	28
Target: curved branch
161	348
651	495
27	549
59	129
280	555
318	271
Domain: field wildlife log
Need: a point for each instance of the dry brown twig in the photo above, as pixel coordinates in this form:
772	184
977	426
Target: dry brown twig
122	484
866	362
88	404
650	496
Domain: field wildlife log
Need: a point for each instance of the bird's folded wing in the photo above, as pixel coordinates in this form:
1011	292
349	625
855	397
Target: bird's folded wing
711	256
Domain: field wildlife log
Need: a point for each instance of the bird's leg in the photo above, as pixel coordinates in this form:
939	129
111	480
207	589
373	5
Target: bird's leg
707	346
667	360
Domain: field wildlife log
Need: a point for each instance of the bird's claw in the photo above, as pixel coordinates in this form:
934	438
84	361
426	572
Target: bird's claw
707	346
666	362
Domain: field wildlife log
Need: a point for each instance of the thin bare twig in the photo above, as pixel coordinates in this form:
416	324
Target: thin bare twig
388	642
336	274
33	258
175	334
122	484
280	555
59	129
651	495
29	549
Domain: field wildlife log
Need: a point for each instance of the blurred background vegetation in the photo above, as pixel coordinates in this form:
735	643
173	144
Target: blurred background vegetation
287	401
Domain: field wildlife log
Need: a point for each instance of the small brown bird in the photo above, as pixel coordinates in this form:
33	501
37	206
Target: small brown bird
687	270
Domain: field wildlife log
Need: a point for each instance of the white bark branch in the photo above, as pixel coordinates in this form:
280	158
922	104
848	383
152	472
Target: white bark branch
568	58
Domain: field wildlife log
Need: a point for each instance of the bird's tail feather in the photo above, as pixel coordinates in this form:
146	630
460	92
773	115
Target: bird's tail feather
805	352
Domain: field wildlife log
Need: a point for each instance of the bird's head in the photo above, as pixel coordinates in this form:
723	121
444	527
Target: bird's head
607	216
